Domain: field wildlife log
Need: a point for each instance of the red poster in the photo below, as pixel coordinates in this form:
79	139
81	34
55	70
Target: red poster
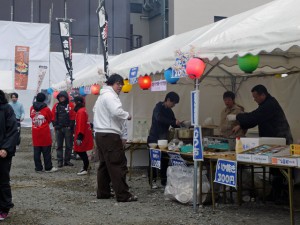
21	67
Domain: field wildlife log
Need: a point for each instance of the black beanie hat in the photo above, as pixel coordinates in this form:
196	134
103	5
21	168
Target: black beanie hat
40	97
79	99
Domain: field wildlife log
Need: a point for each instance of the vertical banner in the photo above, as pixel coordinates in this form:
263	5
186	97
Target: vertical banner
21	67
66	43
226	172
103	25
42	72
195	102
197	144
133	79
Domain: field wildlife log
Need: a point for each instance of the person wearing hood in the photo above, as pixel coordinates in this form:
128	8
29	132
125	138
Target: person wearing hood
83	140
41	117
8	139
63	117
109	125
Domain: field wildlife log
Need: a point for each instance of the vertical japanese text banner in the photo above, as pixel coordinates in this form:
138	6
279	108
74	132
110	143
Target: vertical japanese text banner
66	43
103	25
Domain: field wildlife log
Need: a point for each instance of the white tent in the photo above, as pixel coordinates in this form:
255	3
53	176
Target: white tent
271	30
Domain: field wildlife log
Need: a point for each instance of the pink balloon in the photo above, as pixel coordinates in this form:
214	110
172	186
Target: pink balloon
195	68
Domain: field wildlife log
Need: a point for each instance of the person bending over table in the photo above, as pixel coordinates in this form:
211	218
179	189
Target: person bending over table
162	118
271	122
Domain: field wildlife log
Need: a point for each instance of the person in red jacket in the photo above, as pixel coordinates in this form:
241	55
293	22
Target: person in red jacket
83	137
63	117
41	136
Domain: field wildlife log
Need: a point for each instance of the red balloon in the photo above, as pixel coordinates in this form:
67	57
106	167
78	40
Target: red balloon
95	89
55	93
195	68
145	82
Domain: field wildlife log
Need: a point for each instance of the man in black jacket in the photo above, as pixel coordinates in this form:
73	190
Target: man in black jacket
8	140
269	116
162	118
271	122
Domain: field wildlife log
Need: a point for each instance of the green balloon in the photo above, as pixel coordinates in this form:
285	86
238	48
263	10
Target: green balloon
248	63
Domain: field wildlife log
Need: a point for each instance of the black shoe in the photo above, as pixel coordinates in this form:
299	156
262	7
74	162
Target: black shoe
68	164
60	164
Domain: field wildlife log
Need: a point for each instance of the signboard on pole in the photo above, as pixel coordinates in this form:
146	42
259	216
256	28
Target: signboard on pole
195	98
133	75
226	172
197	144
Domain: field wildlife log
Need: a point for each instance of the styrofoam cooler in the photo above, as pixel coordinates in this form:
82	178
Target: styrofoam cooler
249	143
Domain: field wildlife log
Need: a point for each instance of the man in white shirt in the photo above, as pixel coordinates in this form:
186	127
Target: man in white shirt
109	122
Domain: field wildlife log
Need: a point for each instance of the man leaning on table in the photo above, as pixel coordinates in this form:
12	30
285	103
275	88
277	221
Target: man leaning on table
271	122
162	118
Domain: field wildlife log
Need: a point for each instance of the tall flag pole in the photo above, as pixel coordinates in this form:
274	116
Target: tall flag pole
66	42
103	25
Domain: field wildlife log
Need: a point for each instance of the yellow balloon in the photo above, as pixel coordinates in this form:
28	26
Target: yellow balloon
127	86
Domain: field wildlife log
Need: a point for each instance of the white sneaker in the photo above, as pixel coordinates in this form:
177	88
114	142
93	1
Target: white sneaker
82	172
154	185
54	169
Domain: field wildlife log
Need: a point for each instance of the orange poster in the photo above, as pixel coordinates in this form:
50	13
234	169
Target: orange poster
21	67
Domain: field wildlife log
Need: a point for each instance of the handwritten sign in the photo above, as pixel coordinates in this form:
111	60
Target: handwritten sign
160	85
226	172
155	156
176	159
197	144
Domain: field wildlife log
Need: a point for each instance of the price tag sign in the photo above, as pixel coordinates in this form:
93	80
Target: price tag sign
226	172
155	156
176	159
133	75
197	144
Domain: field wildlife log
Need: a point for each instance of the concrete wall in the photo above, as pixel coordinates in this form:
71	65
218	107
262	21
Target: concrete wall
192	14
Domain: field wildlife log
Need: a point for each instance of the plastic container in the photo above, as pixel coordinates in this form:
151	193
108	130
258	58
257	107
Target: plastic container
238	145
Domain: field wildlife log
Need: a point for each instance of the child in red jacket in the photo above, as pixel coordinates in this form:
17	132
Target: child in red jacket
83	138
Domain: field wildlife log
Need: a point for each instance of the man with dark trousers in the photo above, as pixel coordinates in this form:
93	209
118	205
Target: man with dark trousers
8	139
271	122
63	116
162	118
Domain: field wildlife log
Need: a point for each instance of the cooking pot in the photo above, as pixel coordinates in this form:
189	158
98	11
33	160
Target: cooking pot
185	133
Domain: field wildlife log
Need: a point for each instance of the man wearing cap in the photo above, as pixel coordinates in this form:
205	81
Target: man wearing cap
41	136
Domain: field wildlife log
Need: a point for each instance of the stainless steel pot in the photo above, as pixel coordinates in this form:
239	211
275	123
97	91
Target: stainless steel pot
185	133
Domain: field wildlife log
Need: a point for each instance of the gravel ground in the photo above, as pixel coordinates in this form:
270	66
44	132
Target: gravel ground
65	198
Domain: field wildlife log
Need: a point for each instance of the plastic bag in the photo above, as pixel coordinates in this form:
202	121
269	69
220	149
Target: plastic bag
180	184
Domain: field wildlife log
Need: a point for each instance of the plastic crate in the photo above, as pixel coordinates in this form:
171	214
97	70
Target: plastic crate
295	149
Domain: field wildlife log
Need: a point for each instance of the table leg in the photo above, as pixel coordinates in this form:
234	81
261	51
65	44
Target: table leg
289	178
131	150
212	183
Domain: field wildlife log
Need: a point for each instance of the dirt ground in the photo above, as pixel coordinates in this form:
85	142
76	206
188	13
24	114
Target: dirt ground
66	199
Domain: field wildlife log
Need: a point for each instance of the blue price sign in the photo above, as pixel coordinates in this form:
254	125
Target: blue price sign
133	75
155	156
226	172
195	98
197	144
176	159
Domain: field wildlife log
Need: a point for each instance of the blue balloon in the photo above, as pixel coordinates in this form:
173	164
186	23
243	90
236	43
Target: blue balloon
81	91
169	78
50	91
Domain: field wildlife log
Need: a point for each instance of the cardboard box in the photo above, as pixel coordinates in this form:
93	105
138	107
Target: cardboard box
244	157
268	154
249	143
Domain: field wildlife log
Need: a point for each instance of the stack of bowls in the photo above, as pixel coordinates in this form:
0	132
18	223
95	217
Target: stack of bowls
162	144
